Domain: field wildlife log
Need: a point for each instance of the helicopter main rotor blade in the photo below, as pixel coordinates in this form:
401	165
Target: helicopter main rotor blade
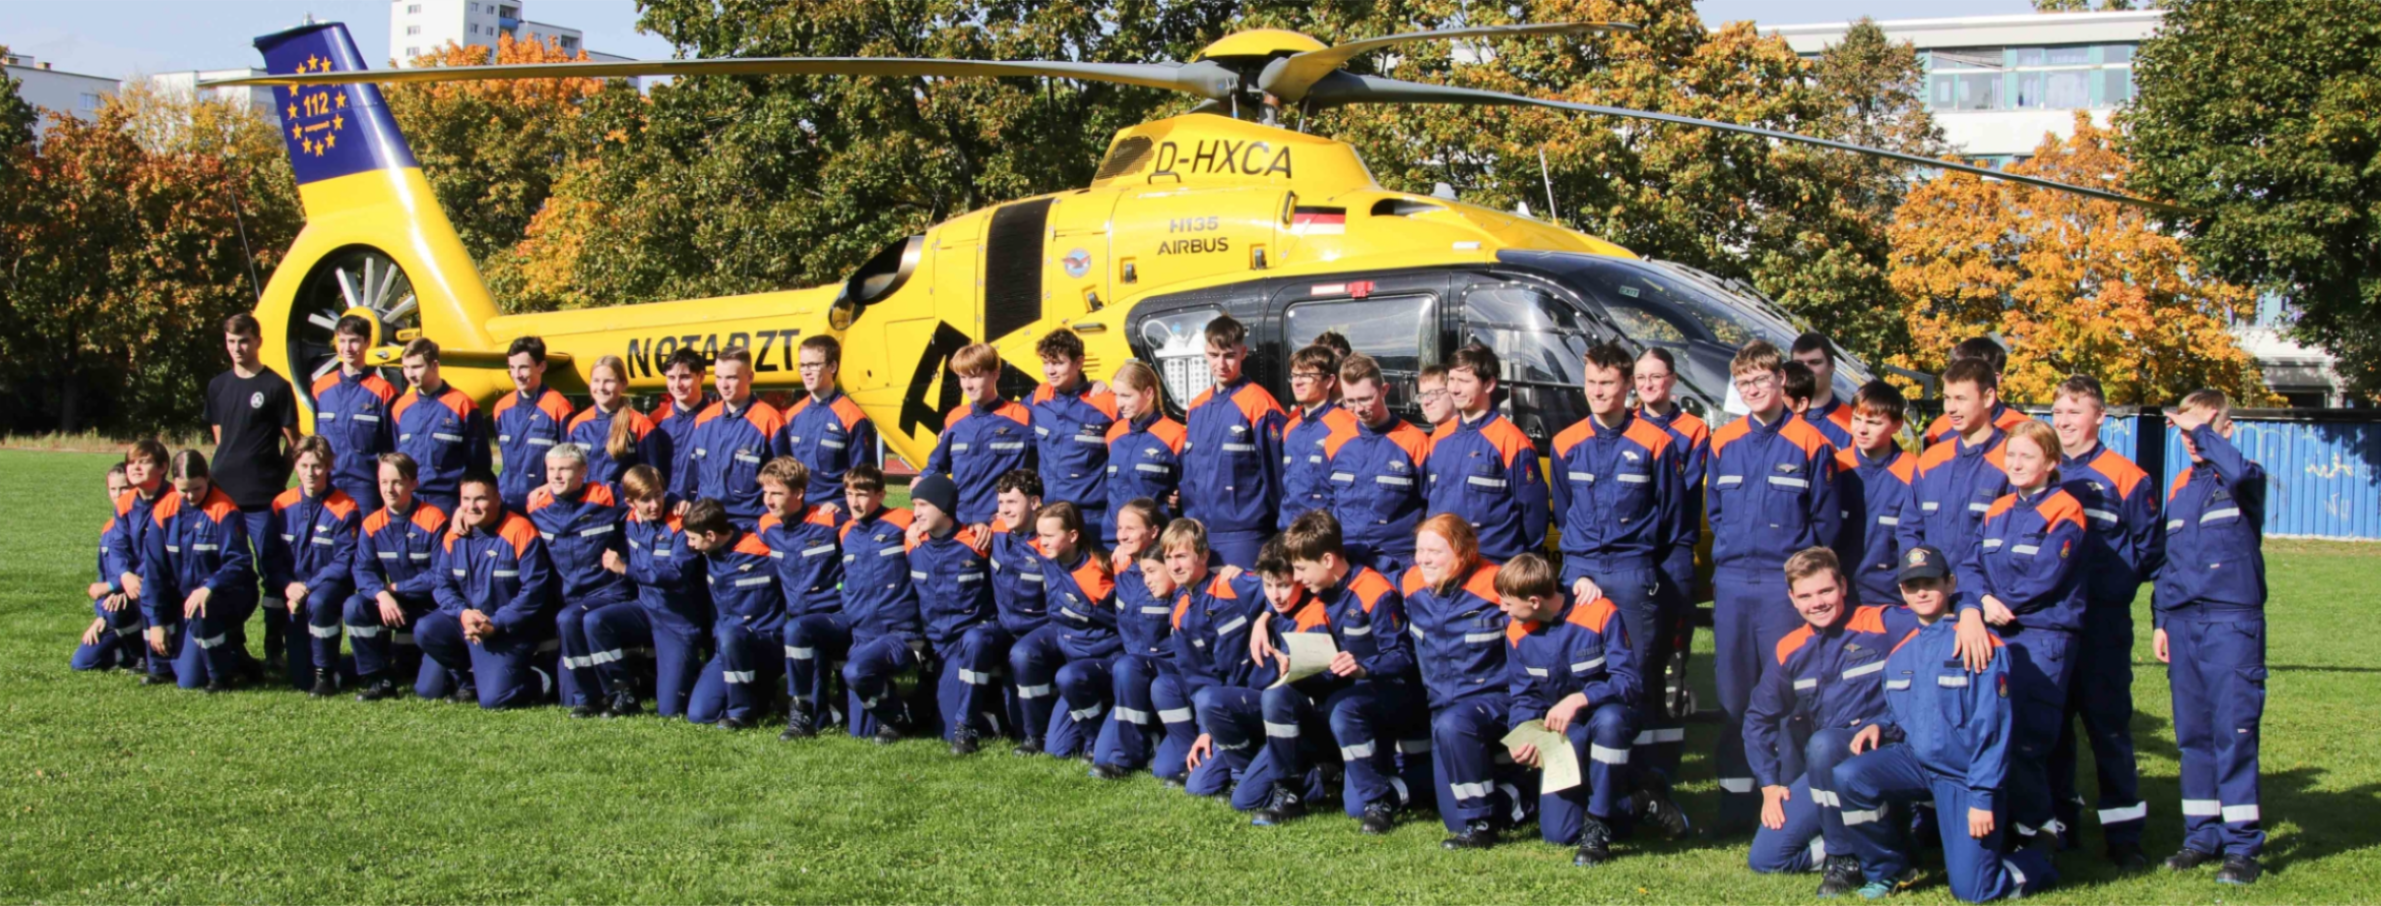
1341	89
1289	78
1206	80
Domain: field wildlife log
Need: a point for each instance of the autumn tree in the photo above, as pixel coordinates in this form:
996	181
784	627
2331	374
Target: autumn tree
2261	119
2074	285
135	256
492	150
18	206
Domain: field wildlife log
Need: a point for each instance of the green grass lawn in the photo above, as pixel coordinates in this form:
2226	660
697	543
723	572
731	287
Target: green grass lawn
116	792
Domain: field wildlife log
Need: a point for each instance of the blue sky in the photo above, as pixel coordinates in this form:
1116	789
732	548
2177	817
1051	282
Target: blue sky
119	37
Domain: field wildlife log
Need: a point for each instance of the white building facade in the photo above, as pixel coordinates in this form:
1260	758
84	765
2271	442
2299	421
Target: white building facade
56	89
1998	85
418	27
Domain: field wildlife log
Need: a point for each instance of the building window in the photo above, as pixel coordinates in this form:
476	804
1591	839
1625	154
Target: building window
413	9
2068	56
2113	54
474	7
570	43
88	102
2116	86
509	12
474	28
413	29
412	52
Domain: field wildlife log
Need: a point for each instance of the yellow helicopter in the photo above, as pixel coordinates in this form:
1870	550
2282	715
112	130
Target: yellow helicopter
1220	210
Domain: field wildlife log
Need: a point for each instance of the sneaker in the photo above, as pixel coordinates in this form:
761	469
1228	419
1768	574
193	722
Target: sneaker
377	690
1840	875
965	742
2239	869
2187	858
1476	835
1282	805
326	684
1109	772
623	704
798	726
1379	818
1595	845
1029	747
1878	890
1655	810
2128	858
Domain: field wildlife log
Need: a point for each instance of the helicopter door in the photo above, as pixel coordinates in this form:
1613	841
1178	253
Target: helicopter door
1395	319
1542	341
1173	235
1075	266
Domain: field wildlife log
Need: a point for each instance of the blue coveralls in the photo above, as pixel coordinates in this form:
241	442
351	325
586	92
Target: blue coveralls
527	425
1020	635
1771	489
954	597
352	412
1828	682
1617	496
1880	521
120	643
1257	721
120	554
314	542
1070	436
1585	651
648	446
829	435
396	553
1144	627
979	443
879	634
1834	421
1364	716
505	574
1144	460
677	425
1945	741
1309	440
2120	504
195	545
577	532
1460	646
1955	484
447	436
1692	438
748	619
1378	492
1486	471
2029	553
2210	600
672	613
808	556
729	446
1231	468
1082	603
1214	685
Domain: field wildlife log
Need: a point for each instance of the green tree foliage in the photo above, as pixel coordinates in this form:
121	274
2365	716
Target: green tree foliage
2261	117
127	257
744	183
491	150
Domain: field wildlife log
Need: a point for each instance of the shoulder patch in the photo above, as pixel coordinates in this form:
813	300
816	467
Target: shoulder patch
1867	619
518	530
1596	615
1482	584
286	499
1793	642
751	543
430	518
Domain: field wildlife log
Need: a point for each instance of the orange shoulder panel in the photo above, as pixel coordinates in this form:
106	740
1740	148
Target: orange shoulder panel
1117	429
380	388
1222	589
1310	614
286	499
976	539
1515	630
1511	444
1904	467
584	417
2000	506
1573	436
1868	619
1842	417
125	501
1793	642
1695	428
2120	470
1255	402
170	505
375	522
2061	507
1483	583
1104	401
1200	400
751	543
1369	586
324	384
339	504
556	405
848	412
1938	429
430	518
1182	601
768	521
1906	637
397	409
219	506
2179	482
765	418
518	530
1016	412
1411	439
1936	455
1171	432
819	515
1095	578
1728	433
1804	436
1846	460
540	499
709	412
1646	435
1411	581
1042	394
459	403
1596	615
504	403
2010	417
1998	454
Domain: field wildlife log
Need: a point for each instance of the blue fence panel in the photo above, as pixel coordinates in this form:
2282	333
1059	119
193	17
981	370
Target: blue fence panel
2320	472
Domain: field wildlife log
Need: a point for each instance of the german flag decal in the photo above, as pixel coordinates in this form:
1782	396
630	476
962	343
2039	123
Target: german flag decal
1318	221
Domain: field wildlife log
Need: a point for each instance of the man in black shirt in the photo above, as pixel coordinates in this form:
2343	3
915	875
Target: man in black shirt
254	414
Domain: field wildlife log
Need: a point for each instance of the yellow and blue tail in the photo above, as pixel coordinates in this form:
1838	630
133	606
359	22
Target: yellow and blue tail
376	243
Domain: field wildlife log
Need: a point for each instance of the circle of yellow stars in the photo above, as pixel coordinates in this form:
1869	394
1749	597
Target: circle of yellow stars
335	104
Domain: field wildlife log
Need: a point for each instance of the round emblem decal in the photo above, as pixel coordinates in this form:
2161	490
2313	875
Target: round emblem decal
1077	263
256	400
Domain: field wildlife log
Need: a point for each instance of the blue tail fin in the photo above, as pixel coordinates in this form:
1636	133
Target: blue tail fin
330	130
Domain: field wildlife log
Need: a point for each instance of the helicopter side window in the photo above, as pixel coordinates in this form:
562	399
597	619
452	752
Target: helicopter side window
1401	332
1542	341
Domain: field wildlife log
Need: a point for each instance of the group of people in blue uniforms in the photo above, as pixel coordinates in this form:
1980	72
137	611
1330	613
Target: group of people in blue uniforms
1905	643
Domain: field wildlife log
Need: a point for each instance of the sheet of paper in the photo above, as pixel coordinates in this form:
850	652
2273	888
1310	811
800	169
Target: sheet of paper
1561	763
1310	653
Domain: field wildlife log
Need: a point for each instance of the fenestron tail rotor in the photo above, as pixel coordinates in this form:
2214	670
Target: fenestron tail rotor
1236	75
